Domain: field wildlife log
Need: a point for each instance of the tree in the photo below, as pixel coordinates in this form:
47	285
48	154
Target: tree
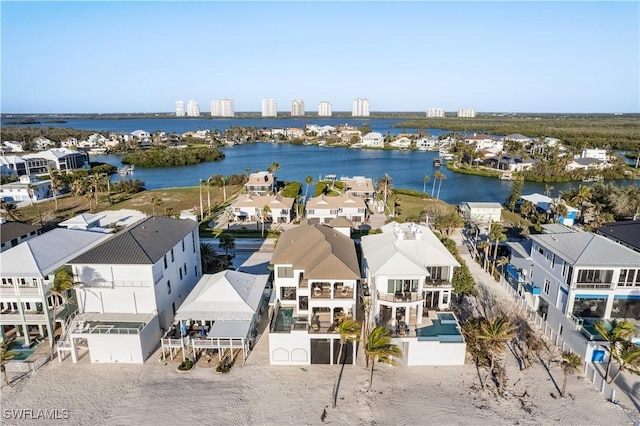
62	283
424	184
11	211
207	257
155	202
227	242
349	330
380	348
628	357
485	246
440	177
527	208
273	167
56	185
547	189
264	215
496	333
582	196
502	262
96	184
496	234
570	364
615	333
385	187
5	355
463	282
308	180
514	195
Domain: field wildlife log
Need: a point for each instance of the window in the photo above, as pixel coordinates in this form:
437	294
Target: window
180	270
193	241
445	298
310	211
285	271
541	251
288	293
183	244
564	268
595	276
435	273
173	306
185	269
196	268
394	286
173	259
169	287
165	261
629	278
547	286
553	261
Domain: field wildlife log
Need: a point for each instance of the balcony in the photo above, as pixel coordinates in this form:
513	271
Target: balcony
429	283
400	297
303	283
340	292
594	286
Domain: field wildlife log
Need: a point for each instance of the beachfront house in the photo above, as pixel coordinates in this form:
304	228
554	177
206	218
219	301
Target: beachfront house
221	313
29	308
261	183
12	165
62	159
250	207
315	282
408	272
544	204
28	188
324	208
403	142
132	284
575	279
14	233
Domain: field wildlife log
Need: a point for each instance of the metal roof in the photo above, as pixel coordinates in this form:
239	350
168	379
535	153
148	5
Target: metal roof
588	250
627	232
143	243
44	254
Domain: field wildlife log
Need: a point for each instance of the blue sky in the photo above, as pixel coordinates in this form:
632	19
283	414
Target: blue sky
104	57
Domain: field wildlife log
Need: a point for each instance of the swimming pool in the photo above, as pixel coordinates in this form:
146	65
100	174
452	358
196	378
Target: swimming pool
443	329
588	328
22	353
284	320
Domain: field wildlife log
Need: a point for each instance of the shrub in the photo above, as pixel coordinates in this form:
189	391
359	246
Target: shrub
223	367
186	365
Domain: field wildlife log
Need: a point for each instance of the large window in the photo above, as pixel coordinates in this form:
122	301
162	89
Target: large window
285	271
598	276
629	278
288	293
547	286
394	286
435	272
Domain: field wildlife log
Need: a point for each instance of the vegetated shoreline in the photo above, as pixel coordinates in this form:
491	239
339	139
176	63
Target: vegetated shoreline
159	158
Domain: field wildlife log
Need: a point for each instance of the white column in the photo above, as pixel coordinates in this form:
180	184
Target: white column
419	312
74	351
393	316
608	307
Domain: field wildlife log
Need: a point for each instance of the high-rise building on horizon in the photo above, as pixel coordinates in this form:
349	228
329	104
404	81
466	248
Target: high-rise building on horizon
360	107
435	112
467	112
269	108
324	109
179	108
222	108
297	108
193	109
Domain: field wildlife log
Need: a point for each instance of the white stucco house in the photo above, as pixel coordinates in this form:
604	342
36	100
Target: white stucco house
132	284
325	208
250	207
373	140
482	212
408	272
316	275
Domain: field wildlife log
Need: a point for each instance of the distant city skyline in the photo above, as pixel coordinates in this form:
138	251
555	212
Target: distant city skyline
118	57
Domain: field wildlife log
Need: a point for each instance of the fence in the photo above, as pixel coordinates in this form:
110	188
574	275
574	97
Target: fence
589	371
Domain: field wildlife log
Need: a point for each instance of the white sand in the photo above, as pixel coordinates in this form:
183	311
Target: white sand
257	393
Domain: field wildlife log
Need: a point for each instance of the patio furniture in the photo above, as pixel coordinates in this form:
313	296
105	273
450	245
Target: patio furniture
317	291
315	327
344	291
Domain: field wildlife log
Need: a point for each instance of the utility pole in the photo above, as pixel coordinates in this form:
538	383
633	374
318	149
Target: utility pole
200	187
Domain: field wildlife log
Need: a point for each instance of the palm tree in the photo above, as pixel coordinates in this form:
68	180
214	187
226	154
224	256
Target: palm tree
5	355
385	187
424	184
380	348
628	357
349	330
273	167
433	187
207	257
547	189
617	332
570	364
439	176
265	215
502	262
308	180
56	185
11	211
78	187
96	184
582	196
496	234
227	242
62	283
155	202
485	246
496	333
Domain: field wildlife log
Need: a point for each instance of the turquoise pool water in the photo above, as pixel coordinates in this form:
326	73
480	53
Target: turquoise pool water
22	353
443	329
284	320
589	328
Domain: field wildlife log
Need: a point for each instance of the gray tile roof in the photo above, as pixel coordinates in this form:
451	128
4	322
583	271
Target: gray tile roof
585	249
627	232
12	230
321	251
145	242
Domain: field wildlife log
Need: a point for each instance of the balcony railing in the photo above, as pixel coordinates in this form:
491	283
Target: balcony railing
325	293
401	297
436	283
594	286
